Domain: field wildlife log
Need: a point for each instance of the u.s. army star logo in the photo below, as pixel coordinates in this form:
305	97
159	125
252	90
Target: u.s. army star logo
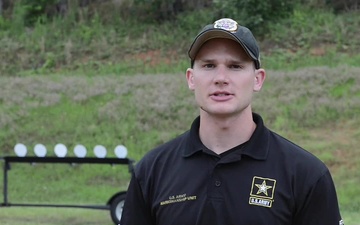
262	188
262	191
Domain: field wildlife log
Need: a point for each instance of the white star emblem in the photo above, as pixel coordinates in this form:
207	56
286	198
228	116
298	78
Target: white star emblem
263	188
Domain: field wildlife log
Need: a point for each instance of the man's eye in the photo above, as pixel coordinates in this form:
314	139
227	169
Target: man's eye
209	65
236	66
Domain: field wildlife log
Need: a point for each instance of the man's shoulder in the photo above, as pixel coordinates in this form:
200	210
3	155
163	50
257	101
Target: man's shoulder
172	146
169	150
296	155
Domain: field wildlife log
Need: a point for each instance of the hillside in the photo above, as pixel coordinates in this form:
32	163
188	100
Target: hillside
104	39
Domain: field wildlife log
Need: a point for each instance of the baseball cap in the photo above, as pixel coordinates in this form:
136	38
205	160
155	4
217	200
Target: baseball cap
230	29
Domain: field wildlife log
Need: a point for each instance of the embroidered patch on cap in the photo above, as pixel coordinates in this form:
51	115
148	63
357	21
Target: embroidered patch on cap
226	24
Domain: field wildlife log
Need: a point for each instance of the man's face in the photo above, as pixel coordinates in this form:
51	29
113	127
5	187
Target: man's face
224	78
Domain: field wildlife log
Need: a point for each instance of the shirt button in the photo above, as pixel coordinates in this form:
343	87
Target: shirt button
217	183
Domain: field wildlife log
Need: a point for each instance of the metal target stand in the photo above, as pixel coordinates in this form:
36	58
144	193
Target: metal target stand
115	202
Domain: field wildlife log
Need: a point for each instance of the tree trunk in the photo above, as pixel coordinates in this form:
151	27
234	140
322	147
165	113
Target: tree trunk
1	7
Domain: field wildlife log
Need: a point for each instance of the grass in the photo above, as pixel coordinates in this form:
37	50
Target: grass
39	216
61	184
109	44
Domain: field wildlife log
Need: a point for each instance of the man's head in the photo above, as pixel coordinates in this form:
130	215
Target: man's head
225	69
230	29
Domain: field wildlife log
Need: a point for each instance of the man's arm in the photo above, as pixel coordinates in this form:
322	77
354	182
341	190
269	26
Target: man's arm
320	205
136	210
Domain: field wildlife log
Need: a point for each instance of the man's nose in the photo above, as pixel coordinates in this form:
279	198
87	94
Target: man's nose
221	76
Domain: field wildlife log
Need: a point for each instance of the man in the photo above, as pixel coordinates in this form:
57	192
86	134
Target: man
229	169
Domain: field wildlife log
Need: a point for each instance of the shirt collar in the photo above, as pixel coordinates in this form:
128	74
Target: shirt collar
194	143
257	147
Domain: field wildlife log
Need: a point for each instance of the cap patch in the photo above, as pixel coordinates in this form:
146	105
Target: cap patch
226	24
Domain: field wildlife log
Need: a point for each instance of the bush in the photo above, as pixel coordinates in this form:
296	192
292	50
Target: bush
255	14
35	10
163	10
345	5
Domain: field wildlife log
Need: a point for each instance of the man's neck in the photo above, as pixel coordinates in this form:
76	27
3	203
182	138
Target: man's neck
222	134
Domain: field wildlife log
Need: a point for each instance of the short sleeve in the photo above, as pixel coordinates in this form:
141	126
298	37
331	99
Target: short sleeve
320	205
136	211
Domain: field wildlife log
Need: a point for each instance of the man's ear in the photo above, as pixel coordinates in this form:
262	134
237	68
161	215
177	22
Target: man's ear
260	76
190	78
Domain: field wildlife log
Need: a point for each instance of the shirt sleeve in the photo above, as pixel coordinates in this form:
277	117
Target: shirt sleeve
136	210
320	205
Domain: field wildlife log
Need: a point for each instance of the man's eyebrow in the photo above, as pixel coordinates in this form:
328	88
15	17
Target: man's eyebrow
207	60
235	61
228	61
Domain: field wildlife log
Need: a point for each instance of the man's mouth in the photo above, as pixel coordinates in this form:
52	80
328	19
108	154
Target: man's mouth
220	94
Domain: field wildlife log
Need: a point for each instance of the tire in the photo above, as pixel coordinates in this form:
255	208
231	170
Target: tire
116	208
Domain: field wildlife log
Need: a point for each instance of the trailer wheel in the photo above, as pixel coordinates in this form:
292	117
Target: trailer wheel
116	208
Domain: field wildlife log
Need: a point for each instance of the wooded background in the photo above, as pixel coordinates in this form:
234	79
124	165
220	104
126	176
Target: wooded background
160	10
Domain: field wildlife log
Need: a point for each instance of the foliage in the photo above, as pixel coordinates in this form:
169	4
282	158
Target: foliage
255	11
90	42
35	10
344	5
163	10
256	14
318	28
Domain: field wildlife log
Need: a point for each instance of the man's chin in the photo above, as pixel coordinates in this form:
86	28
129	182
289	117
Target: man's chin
218	112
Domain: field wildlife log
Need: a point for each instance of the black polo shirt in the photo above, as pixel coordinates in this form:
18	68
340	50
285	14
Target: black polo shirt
265	181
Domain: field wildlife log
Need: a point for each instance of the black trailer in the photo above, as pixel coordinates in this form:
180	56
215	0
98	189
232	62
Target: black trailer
114	204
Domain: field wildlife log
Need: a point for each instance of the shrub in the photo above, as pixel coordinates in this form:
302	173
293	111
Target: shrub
35	10
255	14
